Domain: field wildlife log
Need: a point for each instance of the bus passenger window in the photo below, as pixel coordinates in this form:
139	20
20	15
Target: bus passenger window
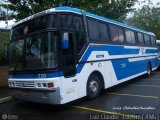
140	38
120	35
147	40
130	36
116	34
93	30
153	40
103	32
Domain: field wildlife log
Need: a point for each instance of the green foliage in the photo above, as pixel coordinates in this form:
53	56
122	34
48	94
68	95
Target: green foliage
115	9
4	38
147	19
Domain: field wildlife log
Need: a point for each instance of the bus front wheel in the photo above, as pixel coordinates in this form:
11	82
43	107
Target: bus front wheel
93	87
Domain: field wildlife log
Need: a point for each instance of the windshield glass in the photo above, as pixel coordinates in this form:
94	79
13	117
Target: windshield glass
15	54
40	23
37	52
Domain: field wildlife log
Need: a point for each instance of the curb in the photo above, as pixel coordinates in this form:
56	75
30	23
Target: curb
6	99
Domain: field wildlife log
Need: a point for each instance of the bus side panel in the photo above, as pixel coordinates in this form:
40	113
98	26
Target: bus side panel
103	67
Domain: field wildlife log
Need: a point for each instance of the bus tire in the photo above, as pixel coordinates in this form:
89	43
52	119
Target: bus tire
93	86
149	69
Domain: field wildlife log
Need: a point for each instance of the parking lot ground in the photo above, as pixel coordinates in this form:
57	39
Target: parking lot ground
137	97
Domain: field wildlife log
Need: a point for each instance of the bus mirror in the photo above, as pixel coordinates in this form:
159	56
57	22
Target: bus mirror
65	41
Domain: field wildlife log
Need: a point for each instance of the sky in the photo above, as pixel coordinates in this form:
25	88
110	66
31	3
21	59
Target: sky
137	6
145	2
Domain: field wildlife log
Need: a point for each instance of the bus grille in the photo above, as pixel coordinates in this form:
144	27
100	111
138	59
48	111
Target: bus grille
24	84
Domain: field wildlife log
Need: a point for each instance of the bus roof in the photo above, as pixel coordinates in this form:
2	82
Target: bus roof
79	11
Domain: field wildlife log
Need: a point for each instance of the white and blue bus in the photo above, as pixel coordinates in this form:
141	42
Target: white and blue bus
63	54
158	44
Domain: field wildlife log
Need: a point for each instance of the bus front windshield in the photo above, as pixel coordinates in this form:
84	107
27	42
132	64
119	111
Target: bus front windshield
35	52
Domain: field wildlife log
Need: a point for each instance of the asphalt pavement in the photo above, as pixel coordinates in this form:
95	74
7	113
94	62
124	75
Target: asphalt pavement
137	99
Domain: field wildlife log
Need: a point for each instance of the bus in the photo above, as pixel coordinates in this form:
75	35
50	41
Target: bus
63	54
158	44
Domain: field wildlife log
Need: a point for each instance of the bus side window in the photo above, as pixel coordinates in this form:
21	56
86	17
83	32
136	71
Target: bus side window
120	35
73	22
147	39
140	38
93	30
114	34
103	32
153	40
80	34
130	36
117	34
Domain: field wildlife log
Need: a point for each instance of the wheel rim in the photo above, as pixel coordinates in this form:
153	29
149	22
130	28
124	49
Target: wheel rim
93	87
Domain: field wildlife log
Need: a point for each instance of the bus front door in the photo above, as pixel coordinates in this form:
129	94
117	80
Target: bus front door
69	82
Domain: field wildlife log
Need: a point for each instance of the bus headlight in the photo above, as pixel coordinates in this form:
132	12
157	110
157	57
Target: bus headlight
45	85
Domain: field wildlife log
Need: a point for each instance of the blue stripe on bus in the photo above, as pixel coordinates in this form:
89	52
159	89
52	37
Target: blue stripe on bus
118	50
151	50
129	69
28	76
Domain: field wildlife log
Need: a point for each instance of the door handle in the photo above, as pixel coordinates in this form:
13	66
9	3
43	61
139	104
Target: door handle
74	80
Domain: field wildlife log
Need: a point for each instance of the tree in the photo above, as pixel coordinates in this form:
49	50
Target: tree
4	15
147	18
115	9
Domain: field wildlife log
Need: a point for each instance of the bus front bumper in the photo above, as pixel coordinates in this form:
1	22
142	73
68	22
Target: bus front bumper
47	96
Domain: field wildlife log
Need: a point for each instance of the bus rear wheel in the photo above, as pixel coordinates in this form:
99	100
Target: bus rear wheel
93	87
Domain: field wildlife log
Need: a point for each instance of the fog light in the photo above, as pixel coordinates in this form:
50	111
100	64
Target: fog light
50	85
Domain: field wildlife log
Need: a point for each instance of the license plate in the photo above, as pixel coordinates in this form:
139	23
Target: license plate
25	93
